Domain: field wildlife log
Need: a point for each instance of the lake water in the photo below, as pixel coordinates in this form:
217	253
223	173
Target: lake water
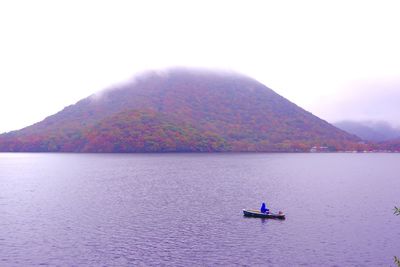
186	209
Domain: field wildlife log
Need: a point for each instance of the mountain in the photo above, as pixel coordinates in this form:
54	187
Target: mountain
376	131
181	110
392	145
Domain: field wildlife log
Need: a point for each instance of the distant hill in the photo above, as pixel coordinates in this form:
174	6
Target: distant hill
390	145
181	110
376	131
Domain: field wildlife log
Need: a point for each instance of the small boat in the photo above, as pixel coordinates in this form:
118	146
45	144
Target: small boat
259	214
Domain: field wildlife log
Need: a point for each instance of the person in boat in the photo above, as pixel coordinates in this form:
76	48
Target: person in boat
264	208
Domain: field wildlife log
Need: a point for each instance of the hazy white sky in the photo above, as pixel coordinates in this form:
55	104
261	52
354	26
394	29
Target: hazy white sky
337	59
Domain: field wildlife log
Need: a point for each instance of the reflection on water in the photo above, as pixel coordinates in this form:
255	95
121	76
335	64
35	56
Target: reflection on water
186	209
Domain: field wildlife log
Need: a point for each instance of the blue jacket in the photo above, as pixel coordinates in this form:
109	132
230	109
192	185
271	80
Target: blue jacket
264	208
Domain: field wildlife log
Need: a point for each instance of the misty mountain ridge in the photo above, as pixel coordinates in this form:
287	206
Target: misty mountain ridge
376	131
181	110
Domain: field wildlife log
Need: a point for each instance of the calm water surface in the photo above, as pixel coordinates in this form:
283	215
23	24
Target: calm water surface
186	209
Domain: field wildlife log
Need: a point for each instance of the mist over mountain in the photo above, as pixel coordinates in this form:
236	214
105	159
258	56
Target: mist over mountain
180	110
376	131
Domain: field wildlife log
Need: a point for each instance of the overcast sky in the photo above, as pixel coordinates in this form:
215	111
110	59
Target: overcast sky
337	59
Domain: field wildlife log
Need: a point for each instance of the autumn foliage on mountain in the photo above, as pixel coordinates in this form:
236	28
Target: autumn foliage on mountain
392	145
181	110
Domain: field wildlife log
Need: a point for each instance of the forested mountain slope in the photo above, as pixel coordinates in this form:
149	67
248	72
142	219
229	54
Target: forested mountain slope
181	110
